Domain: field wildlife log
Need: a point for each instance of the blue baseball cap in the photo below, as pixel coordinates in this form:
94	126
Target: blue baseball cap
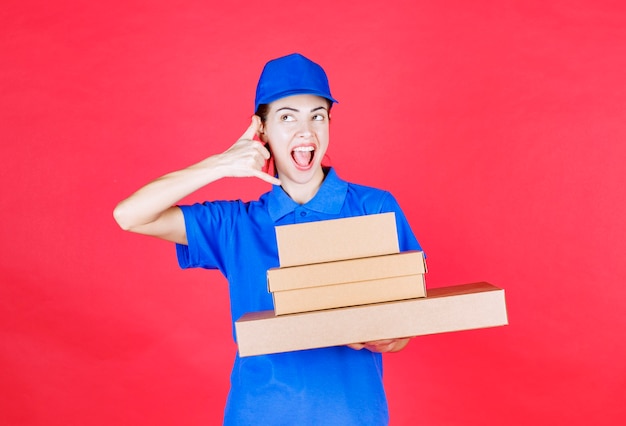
291	75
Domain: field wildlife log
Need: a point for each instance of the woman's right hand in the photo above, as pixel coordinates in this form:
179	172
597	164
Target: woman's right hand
247	157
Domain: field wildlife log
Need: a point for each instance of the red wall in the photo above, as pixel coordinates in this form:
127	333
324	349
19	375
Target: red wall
499	126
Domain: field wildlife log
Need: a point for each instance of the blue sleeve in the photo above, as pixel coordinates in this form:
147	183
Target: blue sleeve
207	226
406	237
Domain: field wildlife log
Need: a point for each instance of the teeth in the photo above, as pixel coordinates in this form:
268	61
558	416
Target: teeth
304	149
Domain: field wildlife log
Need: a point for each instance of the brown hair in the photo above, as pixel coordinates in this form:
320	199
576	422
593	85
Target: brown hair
262	111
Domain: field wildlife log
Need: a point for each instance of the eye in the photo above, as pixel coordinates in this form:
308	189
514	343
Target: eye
319	117
287	117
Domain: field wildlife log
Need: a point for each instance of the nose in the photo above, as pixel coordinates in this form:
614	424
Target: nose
305	129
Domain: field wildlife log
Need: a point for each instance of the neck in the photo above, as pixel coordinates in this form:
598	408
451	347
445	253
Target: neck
304	192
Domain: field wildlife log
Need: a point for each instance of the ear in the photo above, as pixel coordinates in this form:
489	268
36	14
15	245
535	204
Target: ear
262	134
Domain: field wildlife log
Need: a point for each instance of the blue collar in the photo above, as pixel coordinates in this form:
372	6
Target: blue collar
329	198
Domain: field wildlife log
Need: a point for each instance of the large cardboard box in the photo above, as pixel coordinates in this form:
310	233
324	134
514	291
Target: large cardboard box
337	239
347	282
462	307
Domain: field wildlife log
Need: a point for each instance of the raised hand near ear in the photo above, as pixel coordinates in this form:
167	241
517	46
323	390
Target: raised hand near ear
152	210
247	157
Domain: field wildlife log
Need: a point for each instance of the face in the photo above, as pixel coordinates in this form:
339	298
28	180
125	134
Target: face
296	128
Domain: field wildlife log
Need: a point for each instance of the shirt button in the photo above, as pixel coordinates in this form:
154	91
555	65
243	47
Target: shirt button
303	214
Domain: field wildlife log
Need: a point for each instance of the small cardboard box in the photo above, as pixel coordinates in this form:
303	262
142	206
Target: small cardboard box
337	239
349	294
347	282
345	271
462	307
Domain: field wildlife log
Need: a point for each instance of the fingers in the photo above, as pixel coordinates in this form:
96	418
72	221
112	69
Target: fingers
263	150
248	157
381	346
258	168
268	178
249	134
356	346
253	129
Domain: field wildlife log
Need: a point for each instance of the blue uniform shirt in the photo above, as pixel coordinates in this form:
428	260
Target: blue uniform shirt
329	386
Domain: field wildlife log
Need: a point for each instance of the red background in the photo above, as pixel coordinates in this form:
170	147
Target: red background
499	126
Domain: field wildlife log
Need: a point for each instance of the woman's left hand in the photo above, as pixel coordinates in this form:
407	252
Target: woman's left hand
381	346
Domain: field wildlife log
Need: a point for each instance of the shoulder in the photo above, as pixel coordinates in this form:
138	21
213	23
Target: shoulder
371	199
363	199
364	189
357	189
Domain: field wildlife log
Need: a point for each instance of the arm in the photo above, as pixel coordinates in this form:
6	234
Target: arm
152	211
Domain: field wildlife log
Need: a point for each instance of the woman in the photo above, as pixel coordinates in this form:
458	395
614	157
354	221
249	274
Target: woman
338	385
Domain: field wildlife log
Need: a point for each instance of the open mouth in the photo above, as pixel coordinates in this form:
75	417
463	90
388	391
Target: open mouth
303	156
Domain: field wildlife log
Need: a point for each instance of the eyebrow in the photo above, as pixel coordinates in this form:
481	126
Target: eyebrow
297	110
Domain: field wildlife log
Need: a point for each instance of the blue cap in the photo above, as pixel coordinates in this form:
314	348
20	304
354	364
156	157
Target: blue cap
291	75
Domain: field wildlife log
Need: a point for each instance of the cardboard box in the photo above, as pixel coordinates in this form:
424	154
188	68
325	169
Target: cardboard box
337	239
347	282
346	271
349	294
462	307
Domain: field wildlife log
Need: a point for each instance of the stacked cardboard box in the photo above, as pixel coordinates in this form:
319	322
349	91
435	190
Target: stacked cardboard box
446	309
347	262
342	281
340	239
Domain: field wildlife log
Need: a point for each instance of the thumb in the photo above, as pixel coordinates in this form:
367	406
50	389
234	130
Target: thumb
253	130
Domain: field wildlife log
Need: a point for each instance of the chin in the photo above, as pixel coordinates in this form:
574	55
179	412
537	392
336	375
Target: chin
302	176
